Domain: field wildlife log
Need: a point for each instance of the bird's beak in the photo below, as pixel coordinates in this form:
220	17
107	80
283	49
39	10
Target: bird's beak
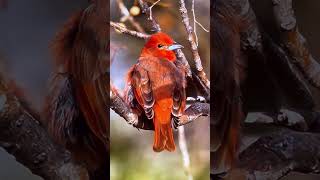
175	46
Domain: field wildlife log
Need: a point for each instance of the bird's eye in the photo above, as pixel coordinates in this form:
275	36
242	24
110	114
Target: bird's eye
160	45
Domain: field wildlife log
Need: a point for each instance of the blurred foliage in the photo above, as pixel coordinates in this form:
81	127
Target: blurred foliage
132	157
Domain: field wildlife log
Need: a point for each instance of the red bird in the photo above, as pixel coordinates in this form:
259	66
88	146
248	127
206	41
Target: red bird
156	87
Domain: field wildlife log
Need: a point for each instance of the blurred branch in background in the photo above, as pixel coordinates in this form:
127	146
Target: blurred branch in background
22	135
294	41
126	15
280	140
184	151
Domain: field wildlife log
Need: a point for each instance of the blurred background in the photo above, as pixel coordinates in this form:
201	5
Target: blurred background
26	30
132	157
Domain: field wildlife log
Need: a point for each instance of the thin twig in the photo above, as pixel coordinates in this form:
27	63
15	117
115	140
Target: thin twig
194	23
146	10
205	29
150	9
184	152
124	30
193	44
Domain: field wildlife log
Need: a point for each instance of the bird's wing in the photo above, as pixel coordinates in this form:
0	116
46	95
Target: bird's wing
143	90
179	103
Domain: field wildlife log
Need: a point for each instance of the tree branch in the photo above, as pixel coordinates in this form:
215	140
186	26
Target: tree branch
192	113
124	30
23	136
294	42
275	155
193	44
121	107
147	10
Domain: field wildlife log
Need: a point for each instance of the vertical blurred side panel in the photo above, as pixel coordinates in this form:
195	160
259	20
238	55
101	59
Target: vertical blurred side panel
54	89
227	75
77	104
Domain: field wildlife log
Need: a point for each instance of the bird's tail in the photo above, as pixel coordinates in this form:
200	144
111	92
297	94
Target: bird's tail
163	134
163	137
227	133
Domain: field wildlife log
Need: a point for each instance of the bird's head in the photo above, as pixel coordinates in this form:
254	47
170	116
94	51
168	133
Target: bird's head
162	46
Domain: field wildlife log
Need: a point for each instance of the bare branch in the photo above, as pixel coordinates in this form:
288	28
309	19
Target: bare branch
150	9
184	152
147	10
124	30
194	111
280	150
121	107
193	44
273	156
294	42
195	22
22	136
205	29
